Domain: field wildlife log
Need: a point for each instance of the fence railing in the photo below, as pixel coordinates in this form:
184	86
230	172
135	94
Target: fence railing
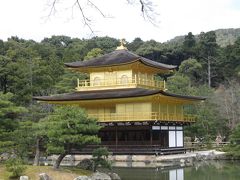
142	116
120	82
203	145
132	149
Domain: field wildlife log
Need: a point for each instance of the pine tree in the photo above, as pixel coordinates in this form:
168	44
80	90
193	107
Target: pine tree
9	121
69	128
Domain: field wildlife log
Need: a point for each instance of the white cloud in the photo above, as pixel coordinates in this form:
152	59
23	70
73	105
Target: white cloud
177	17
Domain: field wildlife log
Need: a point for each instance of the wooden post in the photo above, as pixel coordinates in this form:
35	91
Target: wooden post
150	135
116	138
167	112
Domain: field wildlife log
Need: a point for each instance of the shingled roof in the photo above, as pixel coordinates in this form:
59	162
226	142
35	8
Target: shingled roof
118	57
110	94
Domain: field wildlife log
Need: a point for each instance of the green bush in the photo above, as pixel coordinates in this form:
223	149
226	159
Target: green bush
233	149
15	166
100	158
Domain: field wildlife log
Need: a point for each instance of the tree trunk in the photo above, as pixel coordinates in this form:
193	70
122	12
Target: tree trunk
233	110
59	160
37	154
209	73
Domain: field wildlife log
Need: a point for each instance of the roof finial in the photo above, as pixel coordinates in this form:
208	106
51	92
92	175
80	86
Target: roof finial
123	42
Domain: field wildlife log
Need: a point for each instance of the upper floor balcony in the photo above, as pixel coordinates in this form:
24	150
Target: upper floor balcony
118	83
143	116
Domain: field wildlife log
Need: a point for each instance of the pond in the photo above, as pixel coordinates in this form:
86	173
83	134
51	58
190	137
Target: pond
209	170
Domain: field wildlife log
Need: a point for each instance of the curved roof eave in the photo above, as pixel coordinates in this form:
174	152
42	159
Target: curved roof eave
118	57
171	67
198	98
113	94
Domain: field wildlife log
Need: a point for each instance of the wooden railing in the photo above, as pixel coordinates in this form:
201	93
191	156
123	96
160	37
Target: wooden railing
132	149
117	83
203	145
142	116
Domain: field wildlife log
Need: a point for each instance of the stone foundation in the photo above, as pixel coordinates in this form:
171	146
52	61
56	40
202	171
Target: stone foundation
187	159
160	161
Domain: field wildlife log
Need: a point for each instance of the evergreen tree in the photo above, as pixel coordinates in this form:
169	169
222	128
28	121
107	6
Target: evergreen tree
69	128
9	121
24	139
192	69
207	49
68	81
234	148
135	44
100	159
189	44
95	52
230	60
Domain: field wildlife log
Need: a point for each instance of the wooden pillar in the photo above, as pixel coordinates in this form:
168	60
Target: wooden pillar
150	135
116	137
167	112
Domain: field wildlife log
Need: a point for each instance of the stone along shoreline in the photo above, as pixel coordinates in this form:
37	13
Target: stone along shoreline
153	161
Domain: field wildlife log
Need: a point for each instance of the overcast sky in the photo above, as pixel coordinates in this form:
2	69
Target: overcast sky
29	19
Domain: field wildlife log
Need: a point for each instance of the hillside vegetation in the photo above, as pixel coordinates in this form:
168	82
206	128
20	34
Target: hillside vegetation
224	38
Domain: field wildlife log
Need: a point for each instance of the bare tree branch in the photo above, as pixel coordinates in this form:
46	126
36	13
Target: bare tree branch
78	4
53	8
147	10
85	19
99	10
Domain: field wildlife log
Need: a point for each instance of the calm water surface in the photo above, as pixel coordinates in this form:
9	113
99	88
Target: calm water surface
213	170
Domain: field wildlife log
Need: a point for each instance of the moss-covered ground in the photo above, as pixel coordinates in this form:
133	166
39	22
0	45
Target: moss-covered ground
64	173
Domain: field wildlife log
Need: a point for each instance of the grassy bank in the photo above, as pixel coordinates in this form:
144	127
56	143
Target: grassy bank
65	173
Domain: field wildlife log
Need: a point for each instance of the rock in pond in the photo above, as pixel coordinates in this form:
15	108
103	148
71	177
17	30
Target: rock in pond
44	176
86	164
100	176
24	178
114	176
82	178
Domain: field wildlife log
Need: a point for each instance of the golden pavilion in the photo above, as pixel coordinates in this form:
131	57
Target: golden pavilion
137	113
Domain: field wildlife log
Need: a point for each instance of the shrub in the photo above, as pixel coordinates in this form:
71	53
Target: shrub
100	158
233	149
15	166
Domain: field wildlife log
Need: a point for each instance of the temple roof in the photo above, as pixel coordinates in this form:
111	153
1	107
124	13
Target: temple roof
118	57
111	94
